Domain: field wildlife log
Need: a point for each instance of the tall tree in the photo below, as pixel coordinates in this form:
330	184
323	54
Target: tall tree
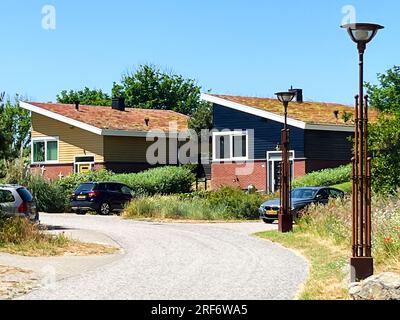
95	97
15	126
384	135
151	88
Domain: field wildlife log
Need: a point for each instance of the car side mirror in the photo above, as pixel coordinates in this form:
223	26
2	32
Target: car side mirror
318	197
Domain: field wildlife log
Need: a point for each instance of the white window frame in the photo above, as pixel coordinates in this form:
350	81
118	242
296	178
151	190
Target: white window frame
271	161
46	140
231	135
92	163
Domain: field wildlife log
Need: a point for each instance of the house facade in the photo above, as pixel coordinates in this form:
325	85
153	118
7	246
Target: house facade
247	136
70	139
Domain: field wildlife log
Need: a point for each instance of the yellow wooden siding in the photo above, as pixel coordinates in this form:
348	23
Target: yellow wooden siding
73	141
125	149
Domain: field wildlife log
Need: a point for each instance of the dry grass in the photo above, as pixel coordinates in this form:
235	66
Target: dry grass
19	236
323	236
15	281
327	264
69	248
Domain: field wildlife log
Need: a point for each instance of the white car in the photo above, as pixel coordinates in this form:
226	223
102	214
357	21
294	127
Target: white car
17	201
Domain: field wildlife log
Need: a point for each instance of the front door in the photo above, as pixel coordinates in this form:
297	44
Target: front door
274	164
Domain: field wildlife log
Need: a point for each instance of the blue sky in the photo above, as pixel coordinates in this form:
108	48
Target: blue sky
229	46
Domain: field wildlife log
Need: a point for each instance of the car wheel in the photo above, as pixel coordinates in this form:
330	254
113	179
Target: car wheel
267	221
104	209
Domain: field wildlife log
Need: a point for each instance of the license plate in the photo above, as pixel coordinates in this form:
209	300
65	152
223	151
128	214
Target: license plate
272	213
81	197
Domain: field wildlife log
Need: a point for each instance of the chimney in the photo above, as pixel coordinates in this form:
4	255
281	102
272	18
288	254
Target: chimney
299	94
118	103
147	120
77	102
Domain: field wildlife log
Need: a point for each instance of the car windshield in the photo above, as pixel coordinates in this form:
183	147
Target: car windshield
304	193
84	187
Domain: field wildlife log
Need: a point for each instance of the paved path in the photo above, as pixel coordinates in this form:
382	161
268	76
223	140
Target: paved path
175	261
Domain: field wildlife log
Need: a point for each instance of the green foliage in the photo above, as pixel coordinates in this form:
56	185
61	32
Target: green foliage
224	204
384	135
70	183
14	132
163	180
202	118
95	97
386	95
333	222
151	88
346	187
323	178
49	196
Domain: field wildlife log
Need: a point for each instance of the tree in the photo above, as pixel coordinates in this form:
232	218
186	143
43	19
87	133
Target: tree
151	88
384	135
15	124
95	97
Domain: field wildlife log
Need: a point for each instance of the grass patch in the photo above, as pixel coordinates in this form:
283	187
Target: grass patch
20	236
346	187
323	236
226	204
326	280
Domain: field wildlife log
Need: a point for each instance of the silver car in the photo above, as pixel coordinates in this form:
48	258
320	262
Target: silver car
17	201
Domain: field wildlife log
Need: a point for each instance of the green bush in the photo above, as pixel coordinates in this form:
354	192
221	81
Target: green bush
49	196
224	204
323	178
163	180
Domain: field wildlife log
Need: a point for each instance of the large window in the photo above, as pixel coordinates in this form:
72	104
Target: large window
45	150
230	146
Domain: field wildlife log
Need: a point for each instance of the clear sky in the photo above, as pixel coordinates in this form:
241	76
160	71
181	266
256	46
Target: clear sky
242	47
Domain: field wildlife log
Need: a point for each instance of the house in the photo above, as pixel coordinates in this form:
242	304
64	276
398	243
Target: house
77	138
248	133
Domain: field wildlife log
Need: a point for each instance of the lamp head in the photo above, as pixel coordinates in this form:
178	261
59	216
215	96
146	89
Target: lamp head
286	96
362	32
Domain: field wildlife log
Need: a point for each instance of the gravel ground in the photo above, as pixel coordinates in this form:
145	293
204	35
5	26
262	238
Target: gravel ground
178	261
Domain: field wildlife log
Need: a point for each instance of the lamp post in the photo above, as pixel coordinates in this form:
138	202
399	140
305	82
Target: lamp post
285	214
361	262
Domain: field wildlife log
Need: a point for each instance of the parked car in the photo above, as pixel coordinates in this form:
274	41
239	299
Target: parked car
17	201
301	198
102	197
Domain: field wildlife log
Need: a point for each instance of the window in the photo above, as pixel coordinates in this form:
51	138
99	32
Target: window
230	146
45	150
6	196
83	164
126	190
335	193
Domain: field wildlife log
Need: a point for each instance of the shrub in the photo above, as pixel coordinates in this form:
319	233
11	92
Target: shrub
224	204
163	180
49	196
323	178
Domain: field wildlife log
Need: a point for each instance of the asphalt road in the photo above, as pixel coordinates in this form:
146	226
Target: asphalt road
172	261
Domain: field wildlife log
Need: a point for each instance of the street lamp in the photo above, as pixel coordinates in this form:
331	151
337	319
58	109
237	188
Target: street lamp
361	263
285	215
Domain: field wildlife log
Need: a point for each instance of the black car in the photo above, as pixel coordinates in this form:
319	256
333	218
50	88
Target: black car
102	197
301	198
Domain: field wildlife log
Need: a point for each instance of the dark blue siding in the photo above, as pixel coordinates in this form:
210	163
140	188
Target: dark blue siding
267	133
328	145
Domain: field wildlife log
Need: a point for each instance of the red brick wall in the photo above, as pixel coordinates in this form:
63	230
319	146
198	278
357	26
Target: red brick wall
52	171
224	174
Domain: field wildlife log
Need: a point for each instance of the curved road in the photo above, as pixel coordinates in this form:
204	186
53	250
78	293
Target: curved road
179	261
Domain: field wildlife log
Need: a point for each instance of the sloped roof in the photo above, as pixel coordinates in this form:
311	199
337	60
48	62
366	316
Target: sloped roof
314	113
106	118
